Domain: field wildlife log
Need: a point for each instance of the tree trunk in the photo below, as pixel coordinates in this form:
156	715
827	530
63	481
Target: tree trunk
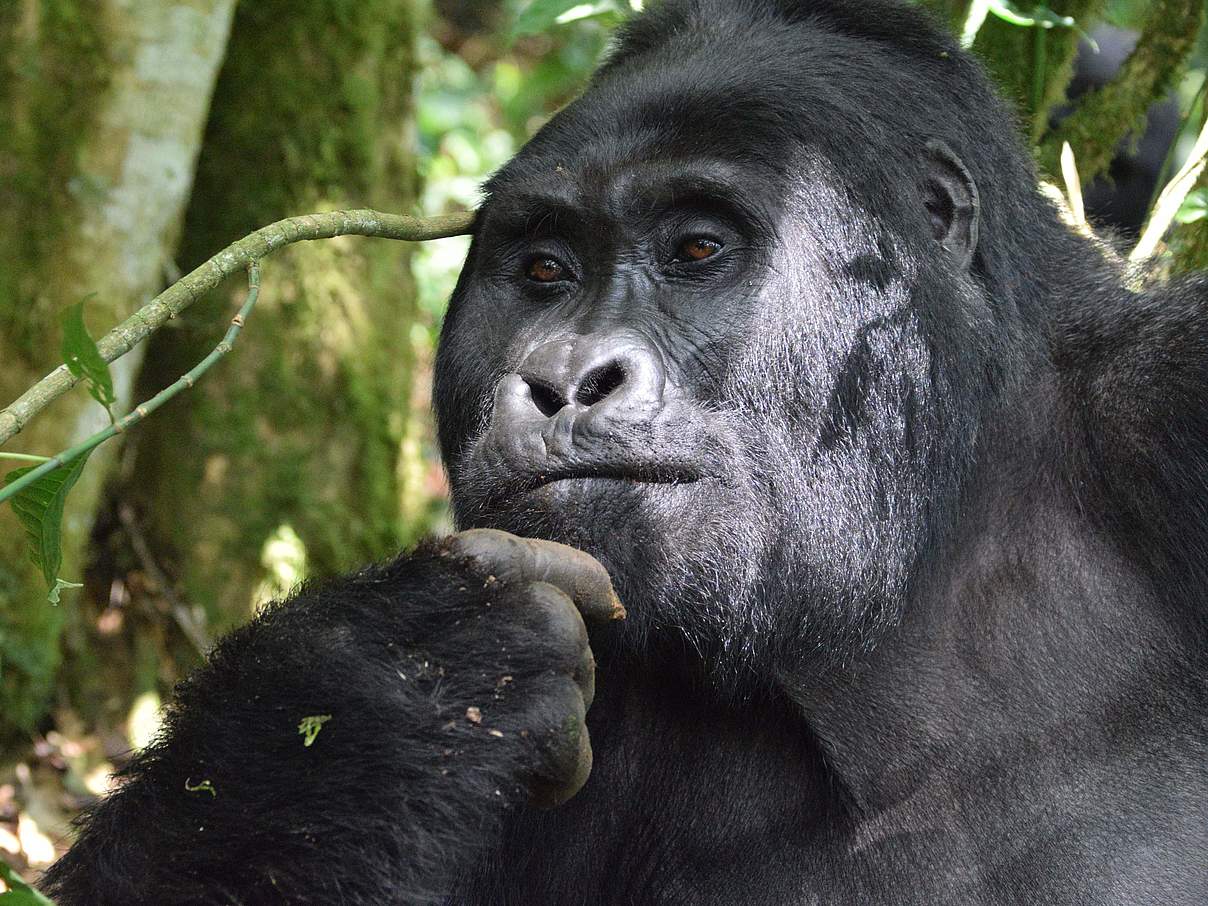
102	105
286	458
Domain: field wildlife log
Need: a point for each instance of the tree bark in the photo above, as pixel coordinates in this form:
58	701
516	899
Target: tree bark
103	105
286	458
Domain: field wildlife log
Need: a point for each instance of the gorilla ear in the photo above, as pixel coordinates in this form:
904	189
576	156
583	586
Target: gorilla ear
950	196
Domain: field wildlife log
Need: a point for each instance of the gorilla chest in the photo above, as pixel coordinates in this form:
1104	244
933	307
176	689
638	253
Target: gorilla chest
626	858
728	814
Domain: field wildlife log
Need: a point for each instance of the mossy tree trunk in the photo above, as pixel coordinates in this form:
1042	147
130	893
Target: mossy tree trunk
287	457
1033	66
102	105
1109	114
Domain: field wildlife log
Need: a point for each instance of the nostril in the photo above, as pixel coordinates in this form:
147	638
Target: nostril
599	384
547	400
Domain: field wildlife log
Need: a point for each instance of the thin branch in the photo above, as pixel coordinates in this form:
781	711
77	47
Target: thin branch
1171	200
1189	243
184	618
142	410
236	256
975	18
24	457
1073	186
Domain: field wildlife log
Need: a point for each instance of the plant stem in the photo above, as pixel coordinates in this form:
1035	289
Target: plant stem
1171	199
184	292
1189	119
144	409
24	457
1039	71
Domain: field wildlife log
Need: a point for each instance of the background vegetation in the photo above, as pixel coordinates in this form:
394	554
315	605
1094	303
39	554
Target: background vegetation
140	137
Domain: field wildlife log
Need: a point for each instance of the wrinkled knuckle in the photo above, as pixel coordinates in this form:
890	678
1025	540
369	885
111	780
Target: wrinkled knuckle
561	708
485	551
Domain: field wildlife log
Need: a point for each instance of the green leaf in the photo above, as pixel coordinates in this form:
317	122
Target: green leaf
19	893
39	509
60	584
204	786
1194	207
310	726
542	15
83	359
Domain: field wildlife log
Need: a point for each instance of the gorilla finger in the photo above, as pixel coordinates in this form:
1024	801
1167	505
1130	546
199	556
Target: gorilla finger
551	615
516	559
585	676
561	626
549	794
558	720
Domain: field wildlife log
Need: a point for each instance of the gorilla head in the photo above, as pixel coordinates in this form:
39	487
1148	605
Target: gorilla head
727	323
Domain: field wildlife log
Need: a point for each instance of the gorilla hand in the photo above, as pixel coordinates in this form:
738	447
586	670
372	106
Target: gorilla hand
452	683
545	592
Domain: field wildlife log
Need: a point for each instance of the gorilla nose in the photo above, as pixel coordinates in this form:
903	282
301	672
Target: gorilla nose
584	372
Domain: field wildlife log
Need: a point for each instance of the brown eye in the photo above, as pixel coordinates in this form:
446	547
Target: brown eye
698	248
546	270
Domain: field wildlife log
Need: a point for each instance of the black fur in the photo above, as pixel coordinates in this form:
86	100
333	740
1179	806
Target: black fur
911	525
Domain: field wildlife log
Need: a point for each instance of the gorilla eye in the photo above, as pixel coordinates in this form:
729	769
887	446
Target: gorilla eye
546	270
698	248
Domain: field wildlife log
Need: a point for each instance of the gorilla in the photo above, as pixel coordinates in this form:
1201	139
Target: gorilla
770	338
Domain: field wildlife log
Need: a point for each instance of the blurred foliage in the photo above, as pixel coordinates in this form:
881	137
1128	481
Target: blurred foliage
541	15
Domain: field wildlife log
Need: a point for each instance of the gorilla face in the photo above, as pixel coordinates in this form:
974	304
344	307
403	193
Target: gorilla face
702	359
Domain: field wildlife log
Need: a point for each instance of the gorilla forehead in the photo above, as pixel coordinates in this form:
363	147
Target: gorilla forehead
675	113
594	183
757	88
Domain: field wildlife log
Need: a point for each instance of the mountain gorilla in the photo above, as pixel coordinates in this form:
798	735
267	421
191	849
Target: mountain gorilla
903	490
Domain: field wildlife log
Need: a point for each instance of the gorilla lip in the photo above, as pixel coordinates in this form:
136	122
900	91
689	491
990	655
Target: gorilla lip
644	474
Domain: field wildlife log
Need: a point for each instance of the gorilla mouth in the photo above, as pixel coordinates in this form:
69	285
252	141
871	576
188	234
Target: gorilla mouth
583	456
497	484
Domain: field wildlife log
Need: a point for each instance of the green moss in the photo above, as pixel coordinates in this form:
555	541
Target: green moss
1107	115
53	65
29	652
53	61
1031	66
